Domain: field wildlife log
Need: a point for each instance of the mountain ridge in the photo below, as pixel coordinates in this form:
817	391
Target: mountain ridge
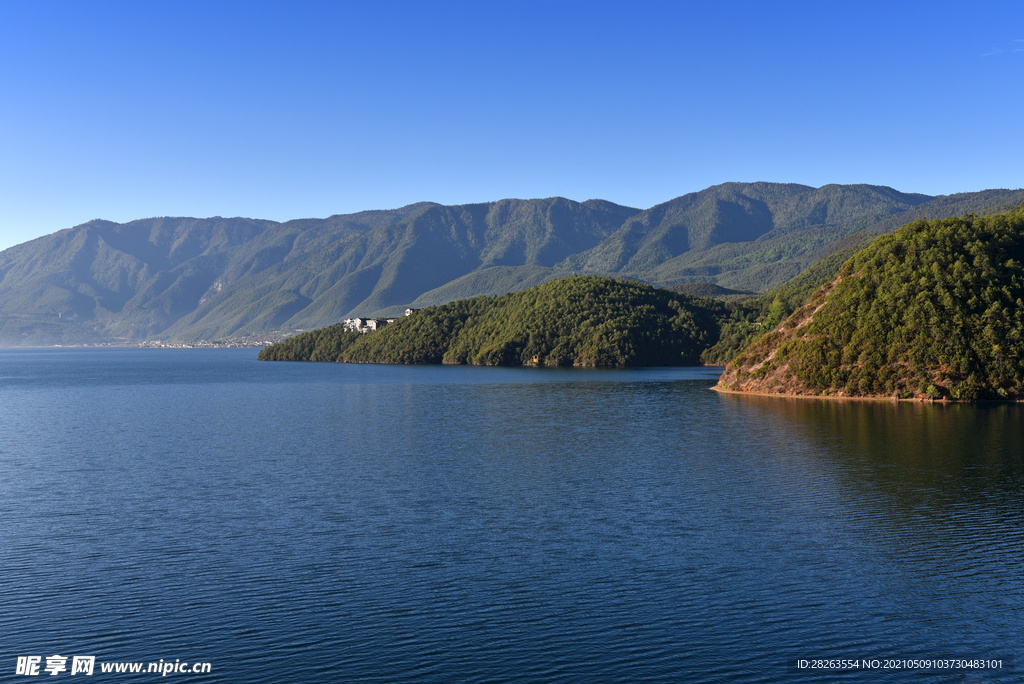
181	278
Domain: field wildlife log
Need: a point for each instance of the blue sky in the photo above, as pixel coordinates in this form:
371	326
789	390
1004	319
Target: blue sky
289	110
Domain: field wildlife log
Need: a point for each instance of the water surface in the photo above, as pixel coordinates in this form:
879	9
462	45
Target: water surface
292	522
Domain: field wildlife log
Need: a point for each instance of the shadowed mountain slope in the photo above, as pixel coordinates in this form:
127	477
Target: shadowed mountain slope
737	227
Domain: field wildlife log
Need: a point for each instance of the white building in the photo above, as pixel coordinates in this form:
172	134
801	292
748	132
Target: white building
364	325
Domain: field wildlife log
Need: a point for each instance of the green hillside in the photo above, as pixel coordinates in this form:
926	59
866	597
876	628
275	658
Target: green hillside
576	321
932	310
496	280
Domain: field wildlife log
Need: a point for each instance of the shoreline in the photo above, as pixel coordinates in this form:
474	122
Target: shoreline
914	400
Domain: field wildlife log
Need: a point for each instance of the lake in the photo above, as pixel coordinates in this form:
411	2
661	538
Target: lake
296	522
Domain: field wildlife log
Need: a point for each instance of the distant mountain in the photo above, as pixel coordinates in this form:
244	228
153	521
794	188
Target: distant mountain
186	279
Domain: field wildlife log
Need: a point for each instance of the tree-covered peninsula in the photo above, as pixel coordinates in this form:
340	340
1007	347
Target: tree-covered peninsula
576	321
933	310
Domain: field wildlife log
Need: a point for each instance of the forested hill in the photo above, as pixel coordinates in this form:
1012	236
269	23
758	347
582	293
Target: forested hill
934	310
184	279
577	321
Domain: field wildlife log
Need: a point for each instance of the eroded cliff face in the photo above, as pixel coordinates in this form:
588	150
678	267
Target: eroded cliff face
789	361
759	368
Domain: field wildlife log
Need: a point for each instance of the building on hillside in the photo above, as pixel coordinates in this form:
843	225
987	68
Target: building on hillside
364	325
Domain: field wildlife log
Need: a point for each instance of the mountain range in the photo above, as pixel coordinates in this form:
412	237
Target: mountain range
185	279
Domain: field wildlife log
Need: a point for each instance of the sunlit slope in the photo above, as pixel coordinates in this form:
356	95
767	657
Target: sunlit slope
933	310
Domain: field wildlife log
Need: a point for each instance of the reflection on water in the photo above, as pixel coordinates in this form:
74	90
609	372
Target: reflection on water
919	505
925	455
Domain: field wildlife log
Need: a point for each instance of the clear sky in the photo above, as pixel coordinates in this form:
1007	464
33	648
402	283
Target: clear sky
280	110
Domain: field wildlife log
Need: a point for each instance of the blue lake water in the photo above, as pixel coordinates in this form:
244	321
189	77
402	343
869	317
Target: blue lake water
290	522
